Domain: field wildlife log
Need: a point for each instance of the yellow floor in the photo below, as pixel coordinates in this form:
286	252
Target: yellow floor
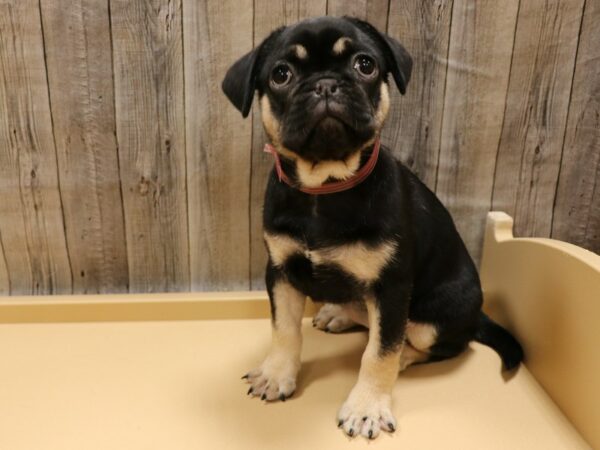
176	386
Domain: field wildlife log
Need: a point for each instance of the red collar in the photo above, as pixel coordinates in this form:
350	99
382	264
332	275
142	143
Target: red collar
335	186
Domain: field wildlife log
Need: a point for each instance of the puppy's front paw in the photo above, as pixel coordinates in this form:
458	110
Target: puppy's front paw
275	379
366	413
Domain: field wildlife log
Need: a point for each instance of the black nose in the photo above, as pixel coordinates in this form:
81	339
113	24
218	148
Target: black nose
326	87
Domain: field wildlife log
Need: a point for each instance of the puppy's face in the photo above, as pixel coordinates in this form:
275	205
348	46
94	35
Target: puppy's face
322	85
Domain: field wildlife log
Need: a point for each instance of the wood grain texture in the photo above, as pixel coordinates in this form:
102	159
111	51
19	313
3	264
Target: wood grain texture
414	124
79	61
267	17
481	42
577	211
31	223
154	182
218	145
374	11
4	278
536	113
148	70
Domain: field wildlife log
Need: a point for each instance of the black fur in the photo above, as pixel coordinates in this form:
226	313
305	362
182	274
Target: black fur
431	278
493	335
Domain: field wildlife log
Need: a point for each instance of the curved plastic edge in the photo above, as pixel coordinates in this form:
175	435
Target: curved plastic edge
499	229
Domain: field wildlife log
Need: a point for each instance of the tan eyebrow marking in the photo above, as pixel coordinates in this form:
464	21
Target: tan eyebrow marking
300	51
340	45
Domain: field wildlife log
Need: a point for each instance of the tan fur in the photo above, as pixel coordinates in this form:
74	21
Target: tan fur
281	247
369	404
340	317
362	261
340	45
384	105
289	304
269	121
276	376
379	370
314	175
272	127
411	355
421	335
300	51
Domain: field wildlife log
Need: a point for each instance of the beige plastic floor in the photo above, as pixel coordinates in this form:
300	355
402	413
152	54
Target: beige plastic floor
176	385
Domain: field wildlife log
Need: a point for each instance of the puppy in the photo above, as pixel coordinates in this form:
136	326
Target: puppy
347	224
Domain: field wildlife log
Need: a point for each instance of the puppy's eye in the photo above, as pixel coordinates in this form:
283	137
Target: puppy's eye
281	75
365	65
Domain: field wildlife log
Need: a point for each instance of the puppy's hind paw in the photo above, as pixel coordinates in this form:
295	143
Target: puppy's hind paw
333	318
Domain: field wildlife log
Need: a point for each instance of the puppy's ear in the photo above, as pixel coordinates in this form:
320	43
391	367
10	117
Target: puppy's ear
239	83
397	58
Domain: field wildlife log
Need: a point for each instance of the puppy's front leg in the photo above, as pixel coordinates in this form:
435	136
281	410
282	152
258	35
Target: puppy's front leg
276	377
368	407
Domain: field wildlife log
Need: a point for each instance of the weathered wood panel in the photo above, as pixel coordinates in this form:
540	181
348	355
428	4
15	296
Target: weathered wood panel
267	17
536	113
148	71
84	210
375	11
414	125
78	56
31	223
577	210
218	145
481	42
4	278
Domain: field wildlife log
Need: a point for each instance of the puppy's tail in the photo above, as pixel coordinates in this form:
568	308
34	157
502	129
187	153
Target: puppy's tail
493	335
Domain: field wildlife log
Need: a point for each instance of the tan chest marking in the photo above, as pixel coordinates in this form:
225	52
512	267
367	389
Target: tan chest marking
281	247
314	175
362	261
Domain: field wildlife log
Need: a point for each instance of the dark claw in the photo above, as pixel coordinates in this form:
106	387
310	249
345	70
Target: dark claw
250	391
365	418
351	432
370	434
391	427
282	397
340	423
245	377
263	397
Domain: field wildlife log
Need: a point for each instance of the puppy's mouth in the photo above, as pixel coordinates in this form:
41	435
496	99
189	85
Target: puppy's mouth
330	114
329	132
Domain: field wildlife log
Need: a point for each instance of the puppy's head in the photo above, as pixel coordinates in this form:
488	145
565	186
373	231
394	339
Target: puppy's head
322	85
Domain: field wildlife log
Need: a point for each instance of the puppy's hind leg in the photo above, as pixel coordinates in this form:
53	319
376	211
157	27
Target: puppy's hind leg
420	337
410	356
276	377
336	318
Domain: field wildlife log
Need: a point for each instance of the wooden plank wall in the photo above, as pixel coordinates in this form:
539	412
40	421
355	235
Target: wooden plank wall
124	169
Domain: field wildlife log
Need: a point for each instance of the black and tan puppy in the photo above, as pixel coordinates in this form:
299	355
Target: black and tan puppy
378	248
